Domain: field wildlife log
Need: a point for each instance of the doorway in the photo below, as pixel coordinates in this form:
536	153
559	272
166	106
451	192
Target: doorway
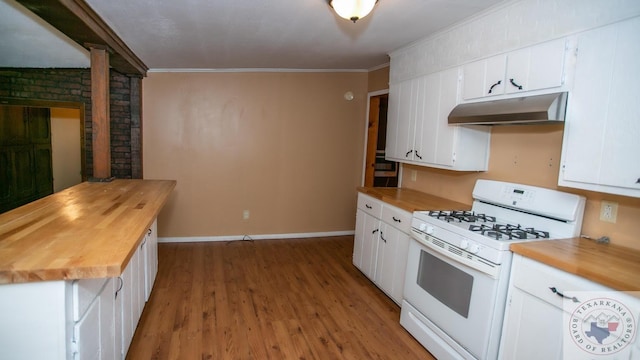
379	172
41	149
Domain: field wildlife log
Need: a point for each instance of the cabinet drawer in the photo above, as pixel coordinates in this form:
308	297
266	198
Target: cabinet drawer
400	219
85	292
370	205
537	279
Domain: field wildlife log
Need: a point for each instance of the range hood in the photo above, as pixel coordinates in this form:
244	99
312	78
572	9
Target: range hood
539	109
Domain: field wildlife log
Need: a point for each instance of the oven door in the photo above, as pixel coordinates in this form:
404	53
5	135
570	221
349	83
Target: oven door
460	301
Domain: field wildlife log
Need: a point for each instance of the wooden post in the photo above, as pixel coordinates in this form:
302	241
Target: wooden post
100	112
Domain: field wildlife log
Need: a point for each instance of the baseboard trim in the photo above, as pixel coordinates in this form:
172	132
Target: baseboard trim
253	237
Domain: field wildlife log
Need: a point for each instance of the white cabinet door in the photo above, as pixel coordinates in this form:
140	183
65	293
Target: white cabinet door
426	139
393	121
107	322
365	242
447	146
151	260
118	286
536	67
370	246
140	275
401	124
94	333
127	302
484	77
600	145
445	139
392	258
87	334
533	329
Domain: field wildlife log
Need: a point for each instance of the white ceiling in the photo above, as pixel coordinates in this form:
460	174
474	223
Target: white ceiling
223	34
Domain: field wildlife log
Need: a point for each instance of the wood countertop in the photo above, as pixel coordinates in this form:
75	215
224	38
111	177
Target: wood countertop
614	266
412	200
90	230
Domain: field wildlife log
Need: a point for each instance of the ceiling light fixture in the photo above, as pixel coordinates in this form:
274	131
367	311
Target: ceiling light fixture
353	10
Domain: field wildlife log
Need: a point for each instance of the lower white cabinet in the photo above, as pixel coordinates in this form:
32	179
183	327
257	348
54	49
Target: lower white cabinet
137	282
381	242
542	314
91	319
151	259
94	332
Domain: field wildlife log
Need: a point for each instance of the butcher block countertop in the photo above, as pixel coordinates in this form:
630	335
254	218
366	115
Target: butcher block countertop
412	200
614	266
90	230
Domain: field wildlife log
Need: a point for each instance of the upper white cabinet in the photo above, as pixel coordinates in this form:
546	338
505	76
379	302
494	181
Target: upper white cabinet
402	117
540	67
418	131
602	130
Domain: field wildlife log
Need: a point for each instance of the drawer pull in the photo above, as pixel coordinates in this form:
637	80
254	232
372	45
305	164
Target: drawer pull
555	291
375	231
368	206
396	219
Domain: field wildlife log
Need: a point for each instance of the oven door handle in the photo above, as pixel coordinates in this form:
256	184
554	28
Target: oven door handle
468	260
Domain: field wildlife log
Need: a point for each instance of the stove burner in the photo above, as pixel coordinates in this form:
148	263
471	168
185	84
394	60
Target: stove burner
508	232
461	216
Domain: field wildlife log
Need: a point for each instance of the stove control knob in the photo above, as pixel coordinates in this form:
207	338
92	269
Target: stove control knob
422	226
464	244
474	248
429	230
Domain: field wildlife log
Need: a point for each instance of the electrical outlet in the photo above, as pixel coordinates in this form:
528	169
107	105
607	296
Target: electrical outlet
414	175
245	215
608	211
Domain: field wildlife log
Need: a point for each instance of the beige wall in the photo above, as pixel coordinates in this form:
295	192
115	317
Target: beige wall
531	155
378	79
66	148
285	146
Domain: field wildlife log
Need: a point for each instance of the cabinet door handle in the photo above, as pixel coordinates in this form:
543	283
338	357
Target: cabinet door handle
494	85
382	237
368	206
418	155
514	84
555	291
375	231
638	181
408	153
120	287
149	232
396	219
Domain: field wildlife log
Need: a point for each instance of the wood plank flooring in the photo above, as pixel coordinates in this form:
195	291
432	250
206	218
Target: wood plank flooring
268	299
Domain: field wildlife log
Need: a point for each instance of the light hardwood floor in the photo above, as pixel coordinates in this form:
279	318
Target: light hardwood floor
268	299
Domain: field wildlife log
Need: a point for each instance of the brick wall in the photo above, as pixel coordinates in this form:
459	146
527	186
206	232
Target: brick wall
74	85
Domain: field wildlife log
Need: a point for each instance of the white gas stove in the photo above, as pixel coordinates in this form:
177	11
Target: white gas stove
458	264
503	213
